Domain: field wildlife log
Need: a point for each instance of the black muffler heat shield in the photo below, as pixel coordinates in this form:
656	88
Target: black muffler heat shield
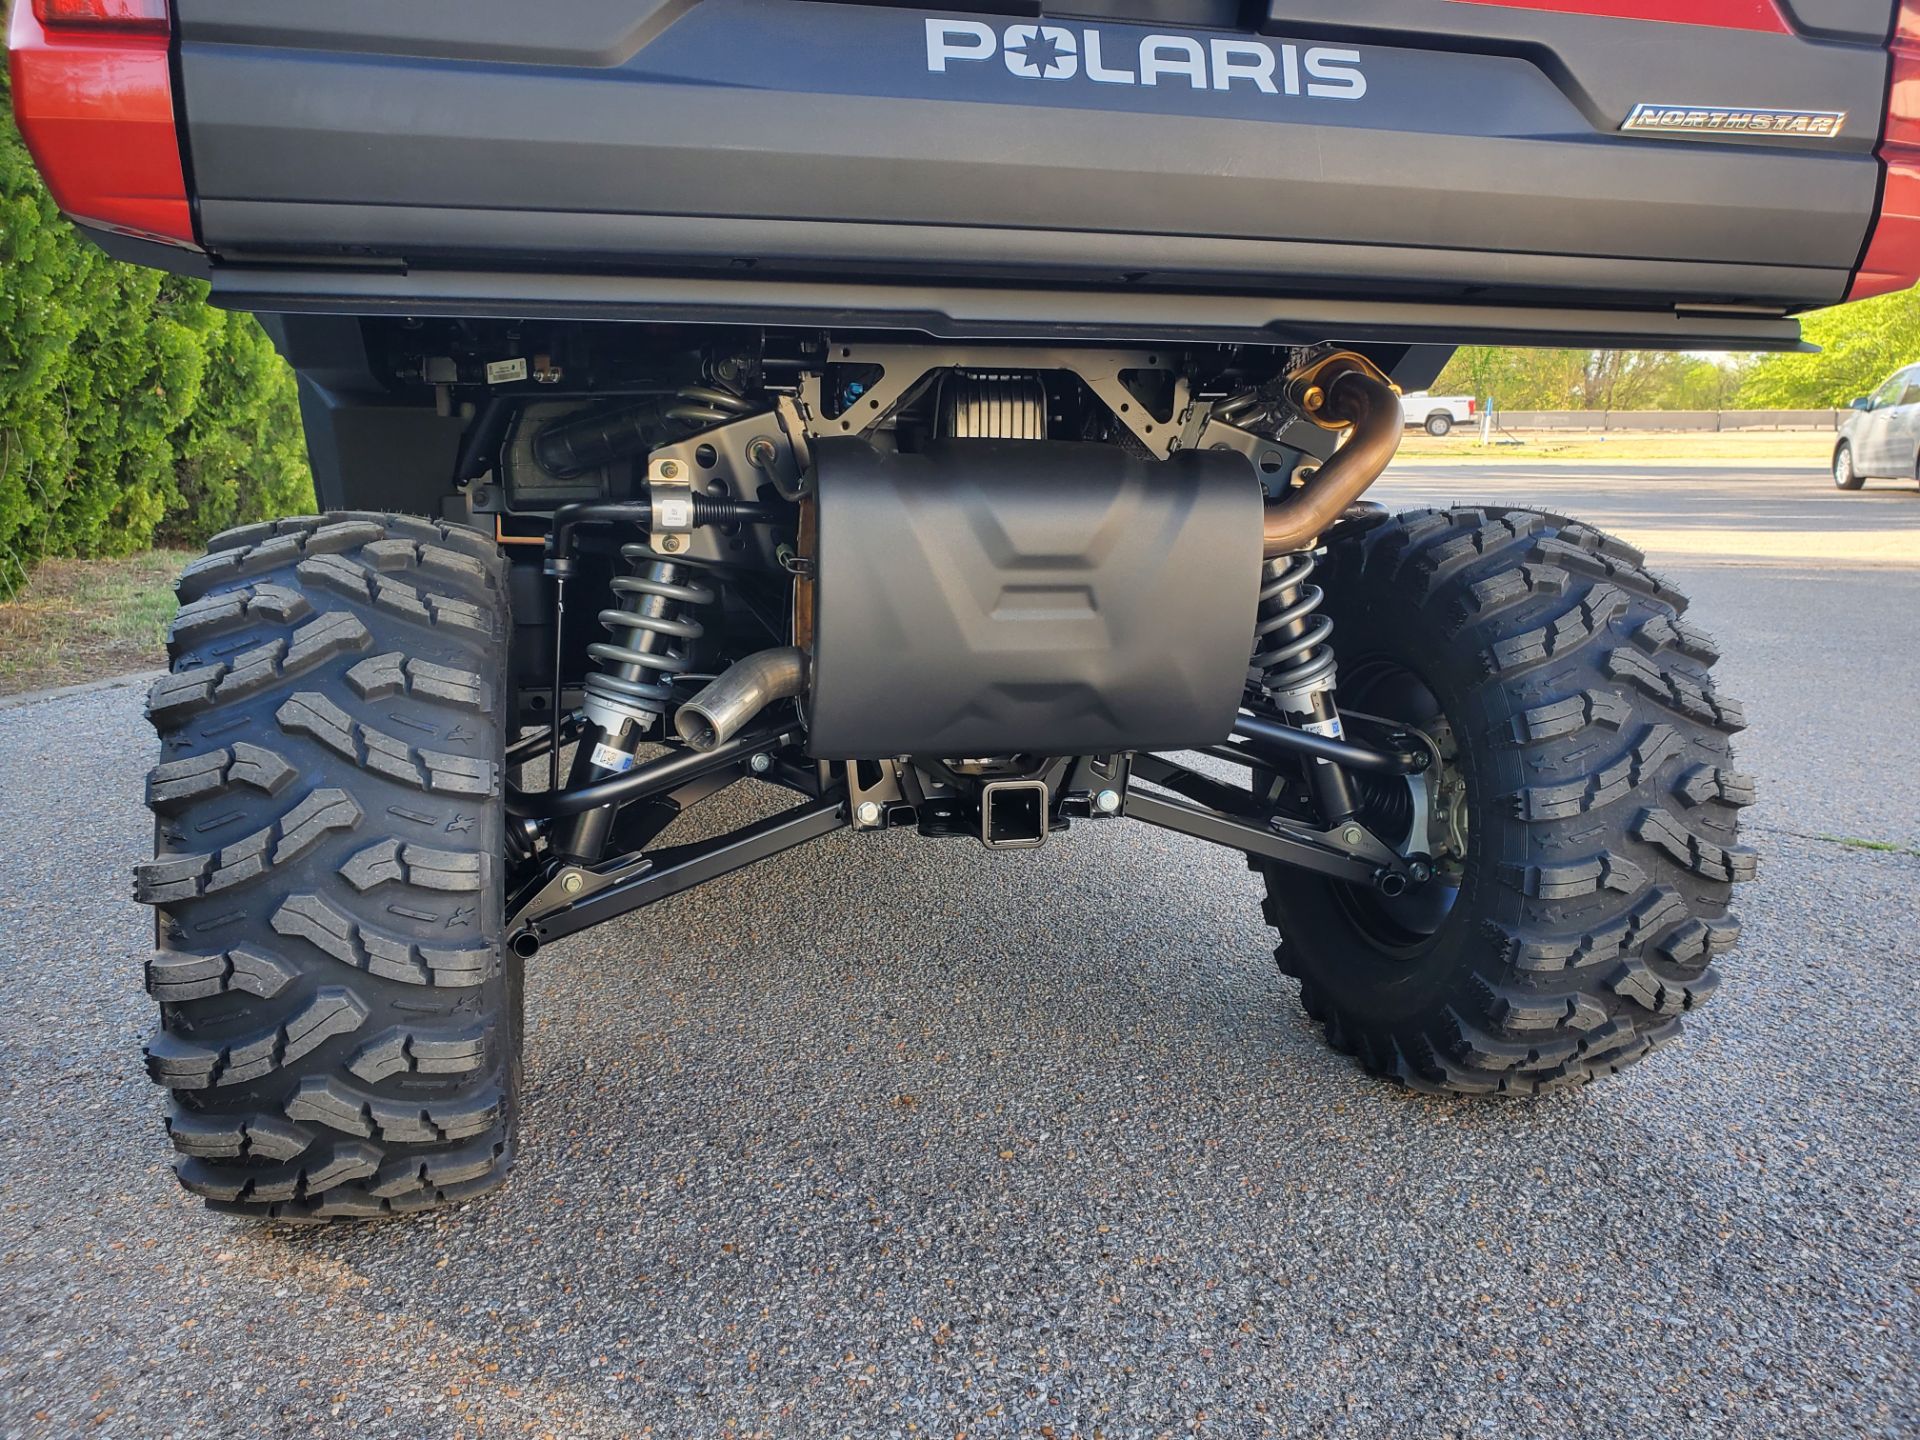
992	597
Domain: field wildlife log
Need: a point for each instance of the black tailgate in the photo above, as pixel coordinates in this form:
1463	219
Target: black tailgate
1446	151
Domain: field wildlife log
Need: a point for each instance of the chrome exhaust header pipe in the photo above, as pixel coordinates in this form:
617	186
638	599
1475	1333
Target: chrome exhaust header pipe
727	705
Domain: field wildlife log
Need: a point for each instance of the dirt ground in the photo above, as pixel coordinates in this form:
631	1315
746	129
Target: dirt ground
81	620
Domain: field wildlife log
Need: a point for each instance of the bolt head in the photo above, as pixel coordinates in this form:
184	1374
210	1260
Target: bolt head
760	764
572	882
1353	834
669	469
670	543
868	813
1107	802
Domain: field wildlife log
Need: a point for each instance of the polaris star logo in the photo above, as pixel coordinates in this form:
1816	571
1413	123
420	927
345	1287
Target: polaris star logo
1055	52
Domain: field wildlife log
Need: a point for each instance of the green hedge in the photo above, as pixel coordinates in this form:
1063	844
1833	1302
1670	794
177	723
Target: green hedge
131	411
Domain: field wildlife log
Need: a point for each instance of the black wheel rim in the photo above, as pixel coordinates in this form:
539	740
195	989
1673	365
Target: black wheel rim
1405	927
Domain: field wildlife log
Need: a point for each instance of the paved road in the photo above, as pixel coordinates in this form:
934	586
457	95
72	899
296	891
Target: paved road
1041	1144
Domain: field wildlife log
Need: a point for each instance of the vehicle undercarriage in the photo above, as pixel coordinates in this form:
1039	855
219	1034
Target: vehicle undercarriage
996	593
754	630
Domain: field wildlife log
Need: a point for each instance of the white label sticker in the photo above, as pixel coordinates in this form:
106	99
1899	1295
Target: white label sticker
608	758
504	372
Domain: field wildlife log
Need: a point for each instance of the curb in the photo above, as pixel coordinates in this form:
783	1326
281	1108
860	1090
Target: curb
68	692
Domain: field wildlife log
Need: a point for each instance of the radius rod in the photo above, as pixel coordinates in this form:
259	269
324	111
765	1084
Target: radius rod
653	777
1405	759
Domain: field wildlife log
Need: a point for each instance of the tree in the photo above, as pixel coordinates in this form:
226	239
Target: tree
1629	379
128	406
1526	379
1860	345
1516	379
1702	384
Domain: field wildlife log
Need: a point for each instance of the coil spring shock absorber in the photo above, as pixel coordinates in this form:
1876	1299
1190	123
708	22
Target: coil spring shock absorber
653	631
1294	656
636	683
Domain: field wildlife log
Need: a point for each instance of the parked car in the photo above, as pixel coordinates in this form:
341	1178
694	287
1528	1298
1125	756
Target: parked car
1881	439
1438	413
903	412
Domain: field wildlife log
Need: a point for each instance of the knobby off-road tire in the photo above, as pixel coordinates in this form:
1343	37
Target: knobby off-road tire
339	1018
1600	797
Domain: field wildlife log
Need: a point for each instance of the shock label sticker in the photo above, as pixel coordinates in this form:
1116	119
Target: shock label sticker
605	757
1086	54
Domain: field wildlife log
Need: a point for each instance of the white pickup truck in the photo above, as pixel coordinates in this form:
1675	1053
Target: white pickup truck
1438	413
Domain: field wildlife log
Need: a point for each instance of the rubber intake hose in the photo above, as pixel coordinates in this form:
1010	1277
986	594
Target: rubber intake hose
576	444
729	704
1294	522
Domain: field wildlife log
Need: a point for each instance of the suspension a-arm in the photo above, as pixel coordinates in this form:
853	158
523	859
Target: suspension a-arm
1223	814
601	893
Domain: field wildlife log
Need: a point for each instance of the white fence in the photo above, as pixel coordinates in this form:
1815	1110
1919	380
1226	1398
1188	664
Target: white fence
1695	420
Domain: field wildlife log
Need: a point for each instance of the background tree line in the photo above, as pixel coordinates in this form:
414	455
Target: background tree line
1860	345
131	412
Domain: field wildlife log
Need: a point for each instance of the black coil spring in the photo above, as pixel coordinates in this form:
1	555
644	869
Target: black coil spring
1290	648
653	623
704	405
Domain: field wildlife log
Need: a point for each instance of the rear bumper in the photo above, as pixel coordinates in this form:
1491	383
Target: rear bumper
983	312
743	150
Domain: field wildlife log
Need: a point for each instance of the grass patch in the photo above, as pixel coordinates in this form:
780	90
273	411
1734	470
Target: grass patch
1812	449
81	620
1887	847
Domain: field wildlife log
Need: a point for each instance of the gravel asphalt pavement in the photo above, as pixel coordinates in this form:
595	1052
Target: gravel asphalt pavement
1041	1144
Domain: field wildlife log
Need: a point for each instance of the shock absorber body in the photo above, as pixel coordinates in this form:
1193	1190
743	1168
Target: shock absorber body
1297	670
631	691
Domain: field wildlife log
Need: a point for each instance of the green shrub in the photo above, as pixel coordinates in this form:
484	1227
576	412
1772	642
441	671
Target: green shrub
130	409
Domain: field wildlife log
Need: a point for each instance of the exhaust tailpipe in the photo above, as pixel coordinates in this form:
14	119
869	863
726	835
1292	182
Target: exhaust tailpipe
1357	399
725	707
